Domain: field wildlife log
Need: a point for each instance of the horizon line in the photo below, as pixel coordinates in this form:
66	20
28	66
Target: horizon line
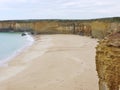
60	19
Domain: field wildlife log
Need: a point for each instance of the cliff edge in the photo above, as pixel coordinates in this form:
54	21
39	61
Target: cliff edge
108	62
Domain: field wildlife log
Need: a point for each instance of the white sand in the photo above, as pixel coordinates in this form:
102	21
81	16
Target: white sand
53	62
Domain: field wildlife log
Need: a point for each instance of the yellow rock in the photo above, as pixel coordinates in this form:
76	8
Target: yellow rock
108	62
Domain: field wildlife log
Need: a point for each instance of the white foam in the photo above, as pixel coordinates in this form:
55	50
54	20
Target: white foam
29	37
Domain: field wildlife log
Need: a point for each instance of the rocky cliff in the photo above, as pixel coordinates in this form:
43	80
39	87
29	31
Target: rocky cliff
97	28
108	62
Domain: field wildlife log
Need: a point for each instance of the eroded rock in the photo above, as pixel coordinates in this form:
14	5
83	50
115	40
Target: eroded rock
108	62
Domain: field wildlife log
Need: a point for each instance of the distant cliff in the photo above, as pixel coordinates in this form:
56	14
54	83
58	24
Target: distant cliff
97	28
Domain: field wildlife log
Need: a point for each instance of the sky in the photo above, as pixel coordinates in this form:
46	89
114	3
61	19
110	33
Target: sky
58	9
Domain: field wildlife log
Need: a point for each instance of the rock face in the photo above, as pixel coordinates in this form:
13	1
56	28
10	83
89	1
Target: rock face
48	27
95	28
108	62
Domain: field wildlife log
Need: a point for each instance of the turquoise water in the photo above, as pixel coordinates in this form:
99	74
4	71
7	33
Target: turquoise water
10	43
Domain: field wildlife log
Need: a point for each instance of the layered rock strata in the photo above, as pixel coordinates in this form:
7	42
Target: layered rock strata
108	62
96	29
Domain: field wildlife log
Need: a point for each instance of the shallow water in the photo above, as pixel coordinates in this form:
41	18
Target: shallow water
11	43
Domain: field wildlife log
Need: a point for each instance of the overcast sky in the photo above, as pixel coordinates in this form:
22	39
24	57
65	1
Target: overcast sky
58	9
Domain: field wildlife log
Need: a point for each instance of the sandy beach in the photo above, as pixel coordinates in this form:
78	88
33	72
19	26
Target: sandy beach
53	62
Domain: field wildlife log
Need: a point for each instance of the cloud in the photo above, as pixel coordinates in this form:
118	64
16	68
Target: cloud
12	1
19	9
70	3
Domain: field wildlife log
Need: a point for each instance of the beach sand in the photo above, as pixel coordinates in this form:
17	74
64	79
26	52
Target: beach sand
53	62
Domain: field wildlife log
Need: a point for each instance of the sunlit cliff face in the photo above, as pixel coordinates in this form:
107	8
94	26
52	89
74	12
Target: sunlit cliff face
96	29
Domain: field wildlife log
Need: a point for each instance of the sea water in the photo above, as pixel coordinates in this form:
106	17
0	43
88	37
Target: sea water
11	44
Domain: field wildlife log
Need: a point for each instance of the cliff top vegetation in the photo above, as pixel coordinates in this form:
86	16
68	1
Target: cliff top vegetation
110	19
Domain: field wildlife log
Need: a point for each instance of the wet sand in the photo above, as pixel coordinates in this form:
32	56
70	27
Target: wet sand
53	62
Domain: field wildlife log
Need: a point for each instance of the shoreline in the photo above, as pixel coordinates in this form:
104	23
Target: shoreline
53	62
6	67
29	41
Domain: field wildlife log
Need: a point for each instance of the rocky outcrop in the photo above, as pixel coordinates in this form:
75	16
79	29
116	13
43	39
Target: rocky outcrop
108	62
114	27
100	29
76	28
